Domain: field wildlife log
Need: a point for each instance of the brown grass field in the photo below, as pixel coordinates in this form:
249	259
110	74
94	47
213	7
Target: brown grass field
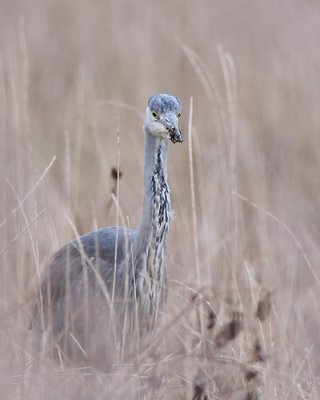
245	189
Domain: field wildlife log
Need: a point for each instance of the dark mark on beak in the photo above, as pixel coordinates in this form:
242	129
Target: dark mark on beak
175	135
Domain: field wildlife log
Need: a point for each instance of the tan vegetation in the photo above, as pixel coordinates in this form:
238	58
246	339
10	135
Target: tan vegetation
242	317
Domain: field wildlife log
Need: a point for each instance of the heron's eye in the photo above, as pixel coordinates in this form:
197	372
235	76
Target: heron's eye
179	115
154	114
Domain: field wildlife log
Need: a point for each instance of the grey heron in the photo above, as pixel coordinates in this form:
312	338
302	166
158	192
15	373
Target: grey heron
108	285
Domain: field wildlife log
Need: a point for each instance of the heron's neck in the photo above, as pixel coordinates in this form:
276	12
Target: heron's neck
149	246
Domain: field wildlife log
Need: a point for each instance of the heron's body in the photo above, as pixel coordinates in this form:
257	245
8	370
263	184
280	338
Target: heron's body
107	286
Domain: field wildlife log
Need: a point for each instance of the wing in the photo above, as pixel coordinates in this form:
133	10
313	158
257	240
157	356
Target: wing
70	288
96	250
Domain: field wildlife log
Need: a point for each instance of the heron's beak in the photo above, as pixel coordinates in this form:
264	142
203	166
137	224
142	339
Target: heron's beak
170	121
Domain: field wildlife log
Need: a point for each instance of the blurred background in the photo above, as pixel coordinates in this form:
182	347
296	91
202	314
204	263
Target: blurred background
75	74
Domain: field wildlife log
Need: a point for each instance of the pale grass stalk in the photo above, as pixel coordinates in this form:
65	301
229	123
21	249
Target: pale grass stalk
220	119
229	74
86	258
3	102
286	229
80	112
201	180
76	341
295	385
68	167
160	335
117	212
195	292
13	85
23	200
221	125
20	233
123	105
126	298
251	283
204	75
237	292
211	89
60	356
193	205
20	207
255	302
100	281
25	75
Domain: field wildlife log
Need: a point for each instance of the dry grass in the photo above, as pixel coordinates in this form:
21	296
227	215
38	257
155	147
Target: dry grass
242	318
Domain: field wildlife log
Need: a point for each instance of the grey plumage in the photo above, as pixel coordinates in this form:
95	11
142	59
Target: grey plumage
102	291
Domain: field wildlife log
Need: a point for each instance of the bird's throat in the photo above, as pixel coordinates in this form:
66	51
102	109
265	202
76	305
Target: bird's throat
153	272
160	202
150	244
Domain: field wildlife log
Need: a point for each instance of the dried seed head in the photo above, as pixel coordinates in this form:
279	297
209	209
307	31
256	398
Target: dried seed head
230	330
259	353
252	395
211	319
194	296
250	374
264	307
114	173
199	388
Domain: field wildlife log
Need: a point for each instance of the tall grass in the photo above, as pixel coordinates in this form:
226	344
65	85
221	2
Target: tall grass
242	317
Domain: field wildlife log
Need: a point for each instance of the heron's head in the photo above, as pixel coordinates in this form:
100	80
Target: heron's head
163	112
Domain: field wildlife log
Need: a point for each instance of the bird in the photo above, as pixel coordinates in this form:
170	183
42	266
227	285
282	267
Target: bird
102	292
